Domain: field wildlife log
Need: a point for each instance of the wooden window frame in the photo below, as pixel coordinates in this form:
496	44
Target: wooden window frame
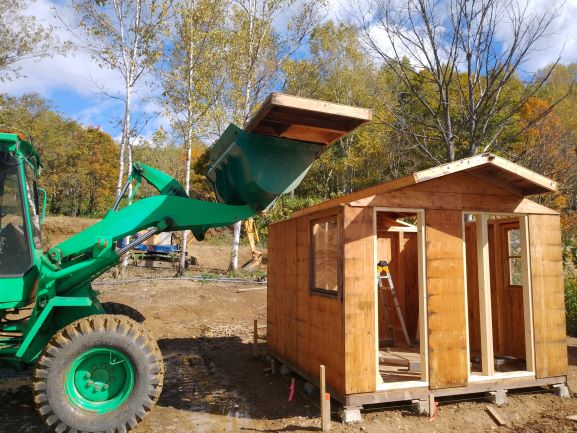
335	294
505	229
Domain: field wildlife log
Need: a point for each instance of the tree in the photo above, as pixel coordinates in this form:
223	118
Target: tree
194	77
78	162
547	147
455	68
123	36
339	69
256	54
22	38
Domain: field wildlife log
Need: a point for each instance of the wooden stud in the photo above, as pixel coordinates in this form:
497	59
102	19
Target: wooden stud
431	400
484	276
325	402
422	320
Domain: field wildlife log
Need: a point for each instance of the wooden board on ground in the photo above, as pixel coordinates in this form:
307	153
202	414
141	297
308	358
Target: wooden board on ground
306	119
496	415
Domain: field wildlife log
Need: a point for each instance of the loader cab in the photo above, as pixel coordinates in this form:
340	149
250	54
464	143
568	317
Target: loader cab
20	240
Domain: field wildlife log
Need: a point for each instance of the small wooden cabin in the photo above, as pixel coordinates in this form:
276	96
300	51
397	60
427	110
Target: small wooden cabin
478	276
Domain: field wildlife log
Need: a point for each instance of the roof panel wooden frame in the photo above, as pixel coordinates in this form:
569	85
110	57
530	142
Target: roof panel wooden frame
306	119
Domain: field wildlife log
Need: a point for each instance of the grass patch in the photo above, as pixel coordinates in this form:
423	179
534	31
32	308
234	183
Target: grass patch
571	304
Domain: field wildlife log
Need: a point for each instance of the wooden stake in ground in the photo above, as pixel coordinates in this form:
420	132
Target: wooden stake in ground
325	402
255	339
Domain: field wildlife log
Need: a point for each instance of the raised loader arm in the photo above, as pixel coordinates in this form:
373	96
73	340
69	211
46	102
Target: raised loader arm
88	254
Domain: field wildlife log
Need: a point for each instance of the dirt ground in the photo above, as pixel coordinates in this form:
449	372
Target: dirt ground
214	384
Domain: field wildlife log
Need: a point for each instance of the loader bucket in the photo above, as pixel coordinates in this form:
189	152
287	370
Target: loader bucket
253	169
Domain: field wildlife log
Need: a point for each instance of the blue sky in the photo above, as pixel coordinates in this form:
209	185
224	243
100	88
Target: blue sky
72	82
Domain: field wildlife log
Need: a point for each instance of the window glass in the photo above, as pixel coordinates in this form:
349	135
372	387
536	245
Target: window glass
33	205
325	255
15	257
514	257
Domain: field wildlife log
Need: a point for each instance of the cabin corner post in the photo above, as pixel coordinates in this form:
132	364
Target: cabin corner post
446	309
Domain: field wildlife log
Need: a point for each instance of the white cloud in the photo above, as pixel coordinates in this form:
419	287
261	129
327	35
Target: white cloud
77	74
76	71
561	39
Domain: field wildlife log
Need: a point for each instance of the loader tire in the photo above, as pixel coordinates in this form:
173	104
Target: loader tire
102	373
123	310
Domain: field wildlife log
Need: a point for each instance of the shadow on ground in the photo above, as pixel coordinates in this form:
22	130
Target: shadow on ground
219	375
572	355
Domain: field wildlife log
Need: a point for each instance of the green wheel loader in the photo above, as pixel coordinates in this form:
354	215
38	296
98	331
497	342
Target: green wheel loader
95	371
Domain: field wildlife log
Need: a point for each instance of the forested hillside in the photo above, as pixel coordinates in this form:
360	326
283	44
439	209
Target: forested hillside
440	82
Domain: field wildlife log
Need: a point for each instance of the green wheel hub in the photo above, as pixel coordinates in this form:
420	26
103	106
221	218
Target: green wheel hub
99	380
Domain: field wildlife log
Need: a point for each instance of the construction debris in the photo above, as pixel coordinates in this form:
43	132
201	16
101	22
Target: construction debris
496	415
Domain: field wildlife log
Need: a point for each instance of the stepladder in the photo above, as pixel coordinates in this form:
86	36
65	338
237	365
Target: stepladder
385	283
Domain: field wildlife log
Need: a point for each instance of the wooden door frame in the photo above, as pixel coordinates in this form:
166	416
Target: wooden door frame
422	283
485	312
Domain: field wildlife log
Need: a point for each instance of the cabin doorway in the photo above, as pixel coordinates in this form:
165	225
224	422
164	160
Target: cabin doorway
400	319
498	296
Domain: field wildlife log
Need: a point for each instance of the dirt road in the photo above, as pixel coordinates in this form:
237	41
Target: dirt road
213	383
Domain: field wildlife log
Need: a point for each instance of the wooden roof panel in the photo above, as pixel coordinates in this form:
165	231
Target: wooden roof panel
306	119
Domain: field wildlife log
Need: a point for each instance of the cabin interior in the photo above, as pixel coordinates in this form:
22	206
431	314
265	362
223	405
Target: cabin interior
401	352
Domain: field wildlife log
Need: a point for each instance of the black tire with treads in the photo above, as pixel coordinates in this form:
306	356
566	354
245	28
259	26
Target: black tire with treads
118	332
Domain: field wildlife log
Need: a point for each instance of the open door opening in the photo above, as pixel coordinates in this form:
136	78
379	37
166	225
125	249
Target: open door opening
499	311
398	295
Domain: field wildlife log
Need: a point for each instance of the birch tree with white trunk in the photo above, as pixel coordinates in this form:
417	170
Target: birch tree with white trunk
194	76
260	46
124	36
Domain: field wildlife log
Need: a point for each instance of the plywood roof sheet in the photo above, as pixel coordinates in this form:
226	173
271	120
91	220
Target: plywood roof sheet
306	119
486	167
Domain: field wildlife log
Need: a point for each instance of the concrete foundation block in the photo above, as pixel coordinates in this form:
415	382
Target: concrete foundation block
421	407
498	397
350	414
562	390
285	371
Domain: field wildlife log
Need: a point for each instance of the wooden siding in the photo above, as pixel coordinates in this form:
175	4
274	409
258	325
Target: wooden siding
548	296
473	289
304	328
460	191
282	290
359	300
448	363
